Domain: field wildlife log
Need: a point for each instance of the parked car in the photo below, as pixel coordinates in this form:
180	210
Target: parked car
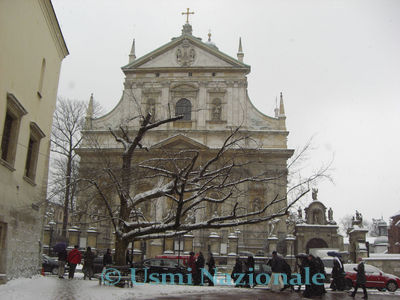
159	266
376	278
50	264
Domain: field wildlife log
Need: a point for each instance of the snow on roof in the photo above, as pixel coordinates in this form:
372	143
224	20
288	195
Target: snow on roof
396	214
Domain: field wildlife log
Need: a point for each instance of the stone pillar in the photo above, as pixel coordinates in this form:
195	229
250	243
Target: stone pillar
233	240
188	243
73	236
290	245
214	239
357	243
92	238
272	243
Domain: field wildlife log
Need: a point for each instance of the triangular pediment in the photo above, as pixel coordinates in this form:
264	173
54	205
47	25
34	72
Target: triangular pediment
179	142
186	51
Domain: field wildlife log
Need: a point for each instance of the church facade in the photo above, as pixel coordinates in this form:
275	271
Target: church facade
189	77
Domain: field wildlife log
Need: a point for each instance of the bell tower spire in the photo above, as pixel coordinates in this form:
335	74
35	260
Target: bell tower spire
132	55
240	53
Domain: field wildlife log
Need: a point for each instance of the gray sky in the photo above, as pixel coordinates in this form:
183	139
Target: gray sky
336	62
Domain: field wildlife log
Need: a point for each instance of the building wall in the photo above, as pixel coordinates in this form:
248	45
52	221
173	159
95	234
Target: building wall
29	35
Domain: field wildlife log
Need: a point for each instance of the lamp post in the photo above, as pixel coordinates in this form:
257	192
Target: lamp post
51	224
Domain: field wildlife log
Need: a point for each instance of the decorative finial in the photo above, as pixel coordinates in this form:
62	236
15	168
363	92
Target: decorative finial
187	13
240	54
89	113
132	55
276	108
281	107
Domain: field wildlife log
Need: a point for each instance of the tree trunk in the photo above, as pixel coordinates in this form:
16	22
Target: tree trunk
66	196
120	251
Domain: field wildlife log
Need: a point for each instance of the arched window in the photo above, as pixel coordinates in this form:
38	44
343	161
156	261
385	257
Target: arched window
184	107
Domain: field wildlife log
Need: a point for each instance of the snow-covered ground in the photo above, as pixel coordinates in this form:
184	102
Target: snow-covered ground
51	287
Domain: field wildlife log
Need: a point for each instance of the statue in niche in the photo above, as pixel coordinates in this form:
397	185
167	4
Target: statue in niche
216	110
151	108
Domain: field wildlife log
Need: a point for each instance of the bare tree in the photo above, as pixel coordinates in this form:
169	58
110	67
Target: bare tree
188	182
68	121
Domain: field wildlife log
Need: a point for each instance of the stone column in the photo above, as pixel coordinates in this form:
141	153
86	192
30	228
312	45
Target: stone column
357	243
290	245
73	236
188	243
92	238
214	243
233	240
272	243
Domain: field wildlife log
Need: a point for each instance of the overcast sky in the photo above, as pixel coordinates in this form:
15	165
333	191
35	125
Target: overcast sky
336	62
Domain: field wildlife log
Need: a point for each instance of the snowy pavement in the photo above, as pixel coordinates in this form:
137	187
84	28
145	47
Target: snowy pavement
53	288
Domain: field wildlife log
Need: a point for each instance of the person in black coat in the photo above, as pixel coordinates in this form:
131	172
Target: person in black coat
237	269
302	265
62	260
211	268
199	266
88	263
311	289
249	264
361	279
107	258
288	271
320	289
337	275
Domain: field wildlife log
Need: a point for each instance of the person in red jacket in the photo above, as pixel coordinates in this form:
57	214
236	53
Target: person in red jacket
192	264
74	258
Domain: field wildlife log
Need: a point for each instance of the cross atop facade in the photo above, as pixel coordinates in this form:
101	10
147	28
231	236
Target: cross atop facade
187	13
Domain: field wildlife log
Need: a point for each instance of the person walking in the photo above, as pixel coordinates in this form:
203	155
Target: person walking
192	265
107	258
276	282
288	271
337	275
199	266
311	289
88	263
62	260
361	279
249	265
320	288
237	270
74	258
211	268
